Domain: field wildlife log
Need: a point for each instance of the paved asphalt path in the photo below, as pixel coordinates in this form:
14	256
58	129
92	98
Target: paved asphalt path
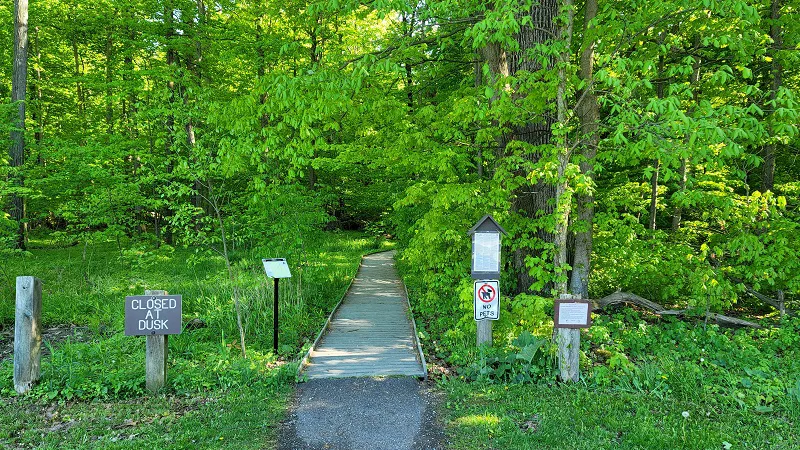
392	413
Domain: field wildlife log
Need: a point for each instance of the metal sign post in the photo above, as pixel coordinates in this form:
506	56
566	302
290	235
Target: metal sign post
486	268
276	268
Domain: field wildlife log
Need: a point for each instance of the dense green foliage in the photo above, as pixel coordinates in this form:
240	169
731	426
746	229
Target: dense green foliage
659	139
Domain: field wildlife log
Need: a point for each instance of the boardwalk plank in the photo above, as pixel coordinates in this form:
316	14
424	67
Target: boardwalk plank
371	333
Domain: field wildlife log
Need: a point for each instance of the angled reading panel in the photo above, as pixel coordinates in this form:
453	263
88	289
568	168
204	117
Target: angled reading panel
276	268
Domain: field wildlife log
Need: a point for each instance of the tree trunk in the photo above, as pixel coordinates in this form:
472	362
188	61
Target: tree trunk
563	197
479	156
678	213
109	54
656	161
169	142
528	201
776	33
78	88
695	84
654	194
37	112
589	113
19	80
408	32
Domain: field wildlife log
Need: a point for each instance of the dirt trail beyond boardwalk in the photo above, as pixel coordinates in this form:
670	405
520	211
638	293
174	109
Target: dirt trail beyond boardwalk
371	336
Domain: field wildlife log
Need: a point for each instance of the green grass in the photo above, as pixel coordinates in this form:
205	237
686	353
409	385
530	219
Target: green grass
480	416
213	395
242	418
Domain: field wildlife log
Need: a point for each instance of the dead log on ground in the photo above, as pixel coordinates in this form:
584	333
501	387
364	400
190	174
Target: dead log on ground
633	299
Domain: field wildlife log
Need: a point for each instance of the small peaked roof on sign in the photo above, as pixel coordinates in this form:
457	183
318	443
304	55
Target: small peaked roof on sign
487	223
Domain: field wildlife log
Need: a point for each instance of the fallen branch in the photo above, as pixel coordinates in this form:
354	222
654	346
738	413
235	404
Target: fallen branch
778	304
633	299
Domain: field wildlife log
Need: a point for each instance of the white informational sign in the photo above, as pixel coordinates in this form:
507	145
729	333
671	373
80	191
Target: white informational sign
487	300
486	252
573	314
276	268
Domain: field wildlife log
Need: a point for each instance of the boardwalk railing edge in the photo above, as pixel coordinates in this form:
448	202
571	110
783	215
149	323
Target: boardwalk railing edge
416	336
307	356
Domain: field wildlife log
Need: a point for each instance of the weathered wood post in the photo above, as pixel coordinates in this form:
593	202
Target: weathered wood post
156	350
155	315
571	314
486	267
484	333
569	347
27	333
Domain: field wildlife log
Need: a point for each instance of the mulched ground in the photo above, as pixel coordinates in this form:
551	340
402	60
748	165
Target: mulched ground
52	335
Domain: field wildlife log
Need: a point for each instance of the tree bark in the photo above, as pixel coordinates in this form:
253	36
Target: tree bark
563	197
109	54
654	194
479	156
169	142
19	80
78	88
683	175
528	201
776	33
588	111
656	161
37	112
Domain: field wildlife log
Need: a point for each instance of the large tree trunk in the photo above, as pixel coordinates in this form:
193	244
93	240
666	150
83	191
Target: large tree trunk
776	33
589	113
529	201
19	80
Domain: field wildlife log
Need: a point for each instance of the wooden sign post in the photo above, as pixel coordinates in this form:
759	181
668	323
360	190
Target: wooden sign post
486	267
155	315
571	314
276	268
27	333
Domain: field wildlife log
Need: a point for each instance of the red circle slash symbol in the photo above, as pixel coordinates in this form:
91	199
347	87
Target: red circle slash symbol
487	293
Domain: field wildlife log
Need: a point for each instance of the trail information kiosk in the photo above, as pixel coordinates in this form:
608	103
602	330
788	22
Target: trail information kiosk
486	249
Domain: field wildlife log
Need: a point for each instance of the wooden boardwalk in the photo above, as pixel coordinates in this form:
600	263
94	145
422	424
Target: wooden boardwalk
371	333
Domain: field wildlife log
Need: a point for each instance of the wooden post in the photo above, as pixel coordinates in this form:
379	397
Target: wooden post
569	347
484	332
156	357
27	333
